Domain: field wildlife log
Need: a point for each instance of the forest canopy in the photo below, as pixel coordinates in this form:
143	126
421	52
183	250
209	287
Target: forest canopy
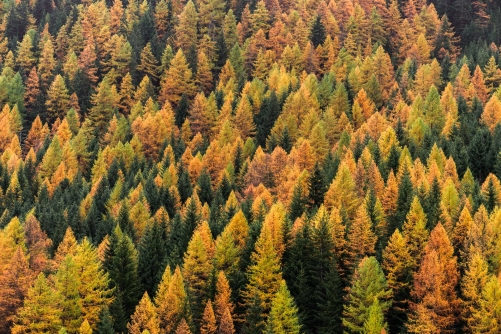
271	166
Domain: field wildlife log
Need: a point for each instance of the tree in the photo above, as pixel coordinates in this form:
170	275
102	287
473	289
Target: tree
93	288
144	318
415	233
204	77
25	58
15	281
47	63
361	238
316	187
472	284
222	301
104	101
58	99
196	272
397	264
243	119
375	323
492	113
66	282
121	264
264	275
183	328
148	63
435	284
226	325
368	283
40	311
208	323
171	300
186	32
487	316
177	80
284	313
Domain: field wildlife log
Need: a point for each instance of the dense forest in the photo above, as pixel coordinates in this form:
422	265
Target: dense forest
271	166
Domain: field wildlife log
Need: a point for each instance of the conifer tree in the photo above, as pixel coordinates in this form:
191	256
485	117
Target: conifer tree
177	81
58	100
368	283
40	312
283	315
196	273
208	324
149	63
121	264
226	325
264	276
144	318
66	282
15	281
435	283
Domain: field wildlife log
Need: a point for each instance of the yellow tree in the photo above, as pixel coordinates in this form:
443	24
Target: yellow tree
58	99
144	318
177	80
492	113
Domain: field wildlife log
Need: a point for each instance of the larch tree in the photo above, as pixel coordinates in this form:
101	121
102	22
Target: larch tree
40	312
492	113
178	80
47	63
435	284
144	318
208	323
94	282
361	238
148	63
15	281
58	99
196	272
368	283
264	276
226	325
171	300
283	316
66	283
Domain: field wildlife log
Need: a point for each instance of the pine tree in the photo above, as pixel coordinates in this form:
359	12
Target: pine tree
94	282
361	238
183	328
186	32
104	101
222	301
196	273
25	58
397	264
47	63
316	187
487	316
171	300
